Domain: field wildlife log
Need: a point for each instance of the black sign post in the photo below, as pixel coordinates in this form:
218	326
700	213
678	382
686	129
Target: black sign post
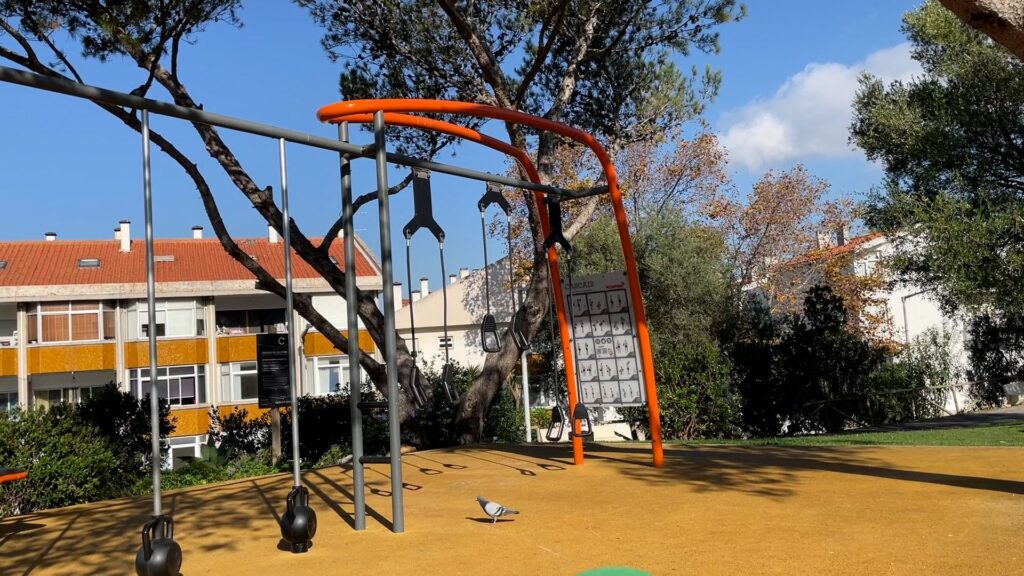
272	370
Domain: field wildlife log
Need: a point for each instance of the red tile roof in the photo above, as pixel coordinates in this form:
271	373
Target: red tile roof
41	263
832	252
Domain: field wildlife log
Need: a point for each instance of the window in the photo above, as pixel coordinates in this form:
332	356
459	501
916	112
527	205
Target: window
444	342
238	382
327	375
47	398
251	321
182	450
3	264
88	262
8	401
71	321
179	385
174	319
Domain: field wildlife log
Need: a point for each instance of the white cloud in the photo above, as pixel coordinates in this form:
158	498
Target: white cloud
809	115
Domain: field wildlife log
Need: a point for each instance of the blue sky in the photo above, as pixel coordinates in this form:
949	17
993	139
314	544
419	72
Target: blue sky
789	71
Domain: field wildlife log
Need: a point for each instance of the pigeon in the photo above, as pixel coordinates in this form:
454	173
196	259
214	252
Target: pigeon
493	509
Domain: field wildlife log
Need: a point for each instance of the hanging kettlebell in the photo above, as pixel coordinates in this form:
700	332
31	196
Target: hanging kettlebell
159	555
298	523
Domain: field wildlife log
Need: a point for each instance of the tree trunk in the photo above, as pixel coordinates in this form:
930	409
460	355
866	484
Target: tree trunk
1000	20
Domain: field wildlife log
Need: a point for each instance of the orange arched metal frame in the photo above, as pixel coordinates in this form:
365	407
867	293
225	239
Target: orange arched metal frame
361	111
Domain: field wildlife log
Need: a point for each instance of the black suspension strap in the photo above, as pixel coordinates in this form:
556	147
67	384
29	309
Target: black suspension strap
489	339
447	371
556	236
423	217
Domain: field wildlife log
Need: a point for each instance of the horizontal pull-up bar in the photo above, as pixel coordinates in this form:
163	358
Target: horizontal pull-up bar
115	98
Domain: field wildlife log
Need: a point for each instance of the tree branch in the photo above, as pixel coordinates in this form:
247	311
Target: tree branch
544	48
325	245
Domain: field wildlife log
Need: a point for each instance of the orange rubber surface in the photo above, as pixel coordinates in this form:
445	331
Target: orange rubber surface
710	510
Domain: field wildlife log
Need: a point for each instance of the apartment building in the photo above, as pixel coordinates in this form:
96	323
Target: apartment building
74	316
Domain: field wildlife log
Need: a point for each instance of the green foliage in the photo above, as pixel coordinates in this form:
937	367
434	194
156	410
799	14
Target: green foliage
950	144
68	461
540	418
77	453
806	373
995	347
688	296
898	391
237	434
621	56
504	421
123	420
333	456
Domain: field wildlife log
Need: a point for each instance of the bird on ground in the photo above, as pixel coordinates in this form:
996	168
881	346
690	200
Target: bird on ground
493	509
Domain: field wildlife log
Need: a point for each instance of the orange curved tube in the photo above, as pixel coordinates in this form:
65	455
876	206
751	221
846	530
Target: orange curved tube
465	133
338	111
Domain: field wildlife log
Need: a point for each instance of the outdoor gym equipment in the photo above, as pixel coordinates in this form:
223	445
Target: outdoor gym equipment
380	113
493	195
581	426
159	555
423	217
10	475
489	339
557	424
298	523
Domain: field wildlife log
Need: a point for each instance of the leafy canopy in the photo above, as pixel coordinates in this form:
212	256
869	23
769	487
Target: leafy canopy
951	142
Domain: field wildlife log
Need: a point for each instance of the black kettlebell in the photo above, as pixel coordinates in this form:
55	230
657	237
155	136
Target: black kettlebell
298	523
159	555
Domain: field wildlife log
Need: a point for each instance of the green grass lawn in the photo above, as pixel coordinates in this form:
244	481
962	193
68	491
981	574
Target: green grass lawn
997	435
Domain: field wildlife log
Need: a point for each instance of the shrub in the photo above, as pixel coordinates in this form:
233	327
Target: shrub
237	434
504	422
123	420
540	418
68	461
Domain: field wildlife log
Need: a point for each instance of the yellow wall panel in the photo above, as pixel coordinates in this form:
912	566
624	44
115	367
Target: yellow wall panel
9	362
318	345
236	349
71	358
195	421
168	353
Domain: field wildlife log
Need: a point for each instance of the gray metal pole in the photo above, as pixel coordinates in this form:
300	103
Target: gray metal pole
526	397
154	400
105	96
394	427
289	311
354	383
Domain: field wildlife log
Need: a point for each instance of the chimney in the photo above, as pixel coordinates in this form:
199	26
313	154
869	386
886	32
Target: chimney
842	235
272	234
424	287
50	236
463	272
126	236
197	232
117	233
396	292
416	296
452	278
824	240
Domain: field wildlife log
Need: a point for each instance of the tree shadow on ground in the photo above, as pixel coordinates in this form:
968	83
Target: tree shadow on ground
769	471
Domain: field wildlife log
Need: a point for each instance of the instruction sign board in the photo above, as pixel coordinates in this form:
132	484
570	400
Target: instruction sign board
603	329
272	379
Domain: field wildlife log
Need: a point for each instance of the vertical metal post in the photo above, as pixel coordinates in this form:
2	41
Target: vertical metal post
354	384
289	311
526	397
394	426
154	400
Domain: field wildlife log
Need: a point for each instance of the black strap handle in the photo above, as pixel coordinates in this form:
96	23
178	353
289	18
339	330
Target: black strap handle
423	209
555	236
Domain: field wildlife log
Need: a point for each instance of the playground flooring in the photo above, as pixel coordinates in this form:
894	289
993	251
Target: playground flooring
710	510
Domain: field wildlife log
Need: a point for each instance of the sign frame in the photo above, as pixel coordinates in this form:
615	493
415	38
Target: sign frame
273	371
605	346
